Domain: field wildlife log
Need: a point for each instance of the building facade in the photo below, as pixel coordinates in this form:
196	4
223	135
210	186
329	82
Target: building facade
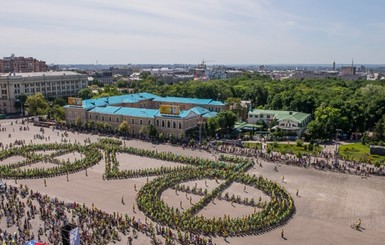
287	121
50	84
22	64
142	110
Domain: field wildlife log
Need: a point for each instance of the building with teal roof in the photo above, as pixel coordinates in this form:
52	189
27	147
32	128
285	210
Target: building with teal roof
287	121
142	110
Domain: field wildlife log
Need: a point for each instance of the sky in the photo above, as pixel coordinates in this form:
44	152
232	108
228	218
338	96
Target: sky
185	32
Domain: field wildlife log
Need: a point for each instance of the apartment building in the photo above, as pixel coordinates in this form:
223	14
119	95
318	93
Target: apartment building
22	64
50	84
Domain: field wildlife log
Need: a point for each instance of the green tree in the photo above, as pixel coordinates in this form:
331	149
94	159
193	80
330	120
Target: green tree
144	131
379	129
20	102
212	126
327	120
124	128
56	112
236	106
121	83
152	132
85	93
36	105
226	120
59	101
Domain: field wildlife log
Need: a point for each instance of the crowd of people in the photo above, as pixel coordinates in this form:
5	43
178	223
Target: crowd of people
325	160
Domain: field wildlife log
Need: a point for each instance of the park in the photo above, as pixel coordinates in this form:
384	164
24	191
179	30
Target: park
148	192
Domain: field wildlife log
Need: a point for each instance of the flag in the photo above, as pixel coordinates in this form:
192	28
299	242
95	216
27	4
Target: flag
75	236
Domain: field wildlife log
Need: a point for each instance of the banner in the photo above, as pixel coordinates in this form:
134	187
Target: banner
74	101
169	109
75	236
33	242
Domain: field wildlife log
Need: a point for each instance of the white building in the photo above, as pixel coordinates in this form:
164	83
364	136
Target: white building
50	84
288	121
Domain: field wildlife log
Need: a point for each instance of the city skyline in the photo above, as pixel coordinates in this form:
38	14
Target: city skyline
170	31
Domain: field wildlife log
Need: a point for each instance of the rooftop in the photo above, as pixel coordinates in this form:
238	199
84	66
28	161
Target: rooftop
126	111
115	100
135	98
40	74
282	115
149	113
183	100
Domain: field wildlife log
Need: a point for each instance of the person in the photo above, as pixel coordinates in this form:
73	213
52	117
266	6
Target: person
297	193
283	179
358	224
129	240
123	200
282	234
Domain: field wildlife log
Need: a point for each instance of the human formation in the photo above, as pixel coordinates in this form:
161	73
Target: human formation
21	206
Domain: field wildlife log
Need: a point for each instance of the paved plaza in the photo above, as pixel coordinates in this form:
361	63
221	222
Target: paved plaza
327	205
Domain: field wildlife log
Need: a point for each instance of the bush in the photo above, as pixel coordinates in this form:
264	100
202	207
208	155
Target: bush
299	142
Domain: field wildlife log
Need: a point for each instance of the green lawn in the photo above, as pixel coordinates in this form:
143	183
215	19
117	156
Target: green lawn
294	149
359	152
251	144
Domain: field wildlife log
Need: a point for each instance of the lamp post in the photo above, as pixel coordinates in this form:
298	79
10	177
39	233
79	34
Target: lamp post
337	131
200	129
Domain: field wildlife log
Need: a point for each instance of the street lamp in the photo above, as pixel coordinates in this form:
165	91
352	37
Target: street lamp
337	131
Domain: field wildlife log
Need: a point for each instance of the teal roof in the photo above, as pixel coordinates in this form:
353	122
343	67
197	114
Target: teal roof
196	110
115	100
183	100
142	112
210	114
199	110
182	114
126	111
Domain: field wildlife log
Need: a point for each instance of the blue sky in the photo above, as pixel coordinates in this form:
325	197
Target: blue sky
176	31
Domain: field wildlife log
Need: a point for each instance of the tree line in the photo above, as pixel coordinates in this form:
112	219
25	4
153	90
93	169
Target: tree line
336	105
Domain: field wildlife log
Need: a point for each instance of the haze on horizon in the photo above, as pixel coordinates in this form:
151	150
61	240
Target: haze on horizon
172	31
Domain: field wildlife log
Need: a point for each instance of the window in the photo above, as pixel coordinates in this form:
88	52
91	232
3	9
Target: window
117	119
110	119
140	122
96	117
180	125
173	124
157	123
102	118
133	121
168	124
268	116
149	122
162	123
